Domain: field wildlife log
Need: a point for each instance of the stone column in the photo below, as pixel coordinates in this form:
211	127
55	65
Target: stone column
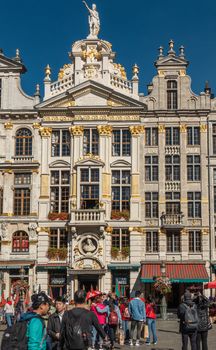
162	244
183	171
9	149
43	244
135	172
184	244
8	181
204	174
105	132
161	164
45	133
35	192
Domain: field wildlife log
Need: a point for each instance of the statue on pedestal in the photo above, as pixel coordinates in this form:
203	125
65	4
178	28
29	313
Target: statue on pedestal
94	21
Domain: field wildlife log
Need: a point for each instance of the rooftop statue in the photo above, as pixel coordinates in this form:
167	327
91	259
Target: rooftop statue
94	20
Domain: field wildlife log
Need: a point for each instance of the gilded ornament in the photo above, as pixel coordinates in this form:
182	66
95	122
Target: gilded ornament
137	130
48	70
8	125
36	125
161	128
203	127
76	130
43	229
205	231
61	74
45	131
105	130
161	73
182	72
161	231
109	229
7	171
183	128
184	231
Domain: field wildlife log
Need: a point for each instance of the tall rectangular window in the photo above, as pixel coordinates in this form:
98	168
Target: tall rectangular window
1	201
193	135
60	143
151	204
173	205
120	190
151	136
193	168
173	242
194	204
195	241
89	188
172	168
90	141
120	238
22	193
58	238
121	143
151	168
214	138
152	242
59	191
172	94
172	136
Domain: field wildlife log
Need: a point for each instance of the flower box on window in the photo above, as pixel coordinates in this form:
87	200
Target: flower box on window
125	252
57	253
120	215
114	252
58	216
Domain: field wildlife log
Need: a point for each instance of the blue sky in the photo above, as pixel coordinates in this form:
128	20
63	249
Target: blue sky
44	31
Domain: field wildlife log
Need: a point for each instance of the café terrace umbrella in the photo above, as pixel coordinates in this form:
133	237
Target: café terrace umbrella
93	294
210	285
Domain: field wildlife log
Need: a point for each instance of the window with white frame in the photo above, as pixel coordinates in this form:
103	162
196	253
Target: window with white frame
120	238
151	136
151	204
58	238
61	143
22	193
172	168
173	136
90	141
121	142
193	168
193	135
194	204
89	188
23	142
173	205
121	190
152	242
151	168
59	191
195	241
173	242
172	94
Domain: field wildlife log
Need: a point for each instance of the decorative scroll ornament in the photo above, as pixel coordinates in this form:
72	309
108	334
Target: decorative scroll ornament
45	131
8	125
76	130
105	130
137	130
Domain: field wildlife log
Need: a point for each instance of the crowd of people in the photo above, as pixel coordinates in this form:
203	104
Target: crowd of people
99	321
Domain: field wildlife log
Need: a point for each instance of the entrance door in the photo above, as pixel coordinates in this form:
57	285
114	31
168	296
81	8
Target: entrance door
88	282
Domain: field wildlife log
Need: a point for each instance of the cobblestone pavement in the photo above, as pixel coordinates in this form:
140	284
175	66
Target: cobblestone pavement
168	337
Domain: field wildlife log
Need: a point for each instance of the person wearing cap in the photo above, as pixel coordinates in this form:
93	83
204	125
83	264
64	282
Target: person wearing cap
54	322
36	330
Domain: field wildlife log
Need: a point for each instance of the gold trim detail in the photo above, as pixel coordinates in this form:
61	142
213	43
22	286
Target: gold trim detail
7	171
45	131
183	128
203	127
43	229
76	130
36	125
161	128
109	229
137	130
161	73
184	231
8	125
182	72
137	229
105	130
205	231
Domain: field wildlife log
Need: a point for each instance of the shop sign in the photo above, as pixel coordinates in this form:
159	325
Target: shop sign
122	280
58	280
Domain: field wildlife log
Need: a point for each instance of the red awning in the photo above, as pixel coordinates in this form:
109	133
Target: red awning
179	273
210	285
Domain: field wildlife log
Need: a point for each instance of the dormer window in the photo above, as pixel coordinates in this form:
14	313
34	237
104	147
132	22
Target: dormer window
172	94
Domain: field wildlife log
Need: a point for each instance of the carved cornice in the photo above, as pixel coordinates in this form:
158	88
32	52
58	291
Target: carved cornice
137	130
76	130
8	125
105	130
45	131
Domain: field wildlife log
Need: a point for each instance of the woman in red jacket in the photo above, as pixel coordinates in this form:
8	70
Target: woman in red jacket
151	320
125	317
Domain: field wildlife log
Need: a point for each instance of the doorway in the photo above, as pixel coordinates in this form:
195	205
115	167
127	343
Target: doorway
88	282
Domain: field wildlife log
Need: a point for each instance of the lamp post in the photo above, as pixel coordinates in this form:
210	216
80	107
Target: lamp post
163	308
1	282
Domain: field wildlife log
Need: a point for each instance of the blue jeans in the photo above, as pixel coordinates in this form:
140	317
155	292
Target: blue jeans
125	329
94	336
8	318
151	322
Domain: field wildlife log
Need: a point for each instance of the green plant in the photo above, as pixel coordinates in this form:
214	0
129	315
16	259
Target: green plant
117	215
62	253
125	252
114	252
58	216
52	253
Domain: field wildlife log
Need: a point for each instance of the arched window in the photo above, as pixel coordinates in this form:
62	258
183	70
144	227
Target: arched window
23	142
172	94
20	242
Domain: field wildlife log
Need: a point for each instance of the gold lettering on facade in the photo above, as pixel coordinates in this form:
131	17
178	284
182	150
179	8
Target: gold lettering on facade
105	130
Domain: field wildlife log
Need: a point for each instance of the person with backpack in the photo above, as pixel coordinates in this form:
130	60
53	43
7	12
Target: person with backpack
114	319
54	323
9	312
76	327
204	324
138	317
187	313
30	332
151	320
97	302
125	315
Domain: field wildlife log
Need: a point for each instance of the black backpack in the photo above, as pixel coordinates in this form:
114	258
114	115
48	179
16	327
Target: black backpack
15	337
190	319
74	334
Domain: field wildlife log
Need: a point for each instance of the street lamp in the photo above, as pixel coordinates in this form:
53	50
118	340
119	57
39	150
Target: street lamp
1	282
163	300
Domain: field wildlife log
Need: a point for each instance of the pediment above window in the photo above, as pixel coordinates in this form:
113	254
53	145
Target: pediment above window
90	161
59	164
120	163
